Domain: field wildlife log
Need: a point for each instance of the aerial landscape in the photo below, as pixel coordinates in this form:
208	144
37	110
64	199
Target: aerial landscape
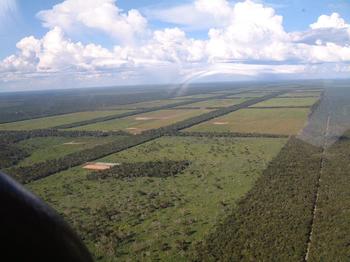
223	165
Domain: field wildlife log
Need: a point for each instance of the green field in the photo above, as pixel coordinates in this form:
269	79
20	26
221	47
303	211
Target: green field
284	121
307	101
46	148
302	93
251	94
217	103
149	104
159	218
195	96
138	123
47	122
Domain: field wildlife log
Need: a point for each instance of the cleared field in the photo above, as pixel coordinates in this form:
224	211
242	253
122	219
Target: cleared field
138	123
307	101
302	93
217	103
129	219
251	94
47	122
194	96
46	148
149	104
285	121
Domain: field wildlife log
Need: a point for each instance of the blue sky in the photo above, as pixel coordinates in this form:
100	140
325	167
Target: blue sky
163	25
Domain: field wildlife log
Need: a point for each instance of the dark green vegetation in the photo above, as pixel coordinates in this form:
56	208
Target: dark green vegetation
150	218
10	155
272	222
331	238
46	168
201	195
142	169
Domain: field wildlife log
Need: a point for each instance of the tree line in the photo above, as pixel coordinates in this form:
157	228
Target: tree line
16	136
132	113
160	169
49	167
331	228
272	222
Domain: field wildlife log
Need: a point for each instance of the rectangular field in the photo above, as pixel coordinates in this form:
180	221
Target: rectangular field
217	103
194	96
302	93
307	101
251	94
149	104
48	122
46	148
159	218
284	121
138	123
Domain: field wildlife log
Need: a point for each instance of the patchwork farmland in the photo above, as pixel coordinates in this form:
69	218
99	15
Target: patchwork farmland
213	174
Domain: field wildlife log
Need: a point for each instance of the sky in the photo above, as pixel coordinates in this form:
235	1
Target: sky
47	44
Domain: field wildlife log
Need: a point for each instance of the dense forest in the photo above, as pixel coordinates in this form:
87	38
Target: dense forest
141	169
272	222
10	155
330	238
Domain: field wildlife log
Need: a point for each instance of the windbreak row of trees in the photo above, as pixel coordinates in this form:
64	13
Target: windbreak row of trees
331	235
132	113
49	167
211	115
273	221
16	136
227	134
160	169
43	169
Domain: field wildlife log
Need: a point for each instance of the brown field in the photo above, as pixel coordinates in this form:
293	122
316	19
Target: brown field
99	166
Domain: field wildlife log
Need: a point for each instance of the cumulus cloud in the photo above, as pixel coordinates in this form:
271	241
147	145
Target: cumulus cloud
103	15
250	41
332	21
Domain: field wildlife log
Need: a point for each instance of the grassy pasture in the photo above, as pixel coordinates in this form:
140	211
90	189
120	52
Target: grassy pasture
307	101
46	148
149	104
194	96
302	93
47	122
251	94
159	218
285	121
151	120
217	103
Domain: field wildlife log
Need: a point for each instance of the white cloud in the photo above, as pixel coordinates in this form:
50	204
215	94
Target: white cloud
104	15
332	21
250	41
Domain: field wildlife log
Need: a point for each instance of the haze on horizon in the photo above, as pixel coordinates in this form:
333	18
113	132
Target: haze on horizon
76	43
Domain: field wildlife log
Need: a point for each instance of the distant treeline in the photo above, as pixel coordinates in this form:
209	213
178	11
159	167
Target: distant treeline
16	136
227	134
141	169
36	105
174	128
132	113
49	167
273	221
